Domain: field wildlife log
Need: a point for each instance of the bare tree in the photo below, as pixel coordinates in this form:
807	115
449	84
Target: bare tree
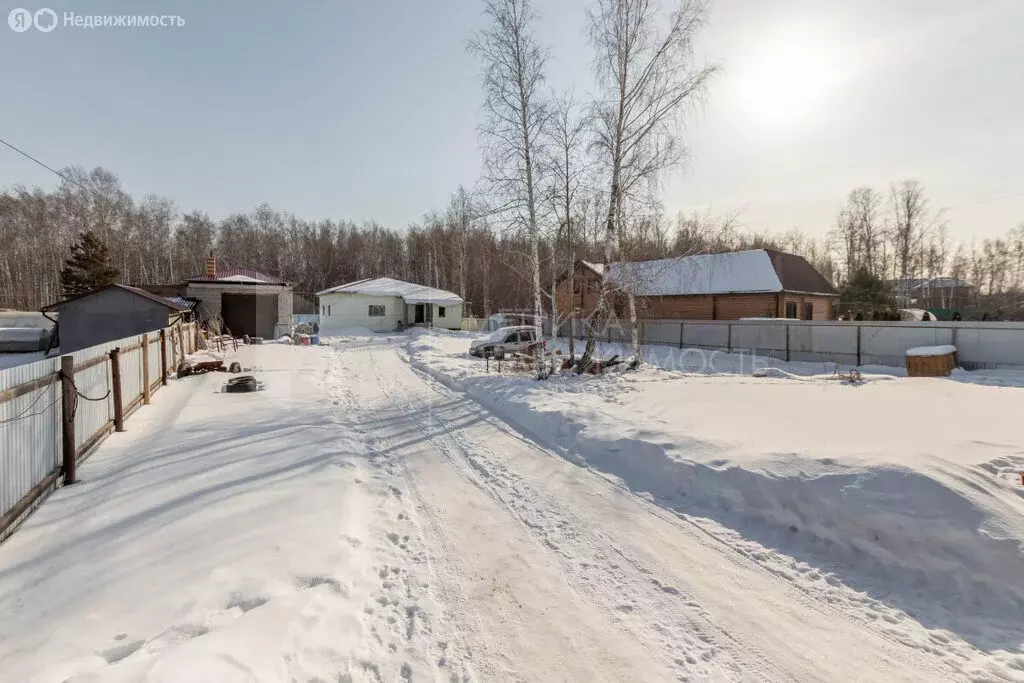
859	232
567	143
911	221
513	133
646	71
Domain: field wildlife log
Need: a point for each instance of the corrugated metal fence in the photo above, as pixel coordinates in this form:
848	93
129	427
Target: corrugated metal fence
980	345
31	408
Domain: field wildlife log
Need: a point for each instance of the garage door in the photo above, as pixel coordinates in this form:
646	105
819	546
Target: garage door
251	314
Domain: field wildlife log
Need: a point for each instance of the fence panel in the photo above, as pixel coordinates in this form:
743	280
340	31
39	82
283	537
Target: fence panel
661	332
618	334
131	378
154	360
823	342
93	416
29	431
706	334
759	336
887	344
989	347
980	345
474	324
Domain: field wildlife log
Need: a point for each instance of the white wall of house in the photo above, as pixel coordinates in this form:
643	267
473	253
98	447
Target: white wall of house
342	311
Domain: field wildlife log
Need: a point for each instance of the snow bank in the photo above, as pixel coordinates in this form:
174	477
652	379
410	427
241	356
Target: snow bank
927	518
931	350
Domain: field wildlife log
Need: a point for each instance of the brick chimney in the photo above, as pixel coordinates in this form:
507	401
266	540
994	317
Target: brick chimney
211	266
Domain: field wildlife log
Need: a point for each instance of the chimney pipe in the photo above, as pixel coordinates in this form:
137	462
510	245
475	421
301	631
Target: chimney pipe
211	266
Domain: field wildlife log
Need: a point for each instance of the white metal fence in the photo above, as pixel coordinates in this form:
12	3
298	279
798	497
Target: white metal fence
31	407
981	345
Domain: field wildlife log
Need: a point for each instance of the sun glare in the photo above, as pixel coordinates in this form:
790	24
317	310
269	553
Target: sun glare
788	78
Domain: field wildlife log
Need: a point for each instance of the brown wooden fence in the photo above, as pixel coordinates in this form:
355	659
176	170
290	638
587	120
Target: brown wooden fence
54	412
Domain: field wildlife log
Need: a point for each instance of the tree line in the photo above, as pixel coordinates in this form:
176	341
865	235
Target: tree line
564	178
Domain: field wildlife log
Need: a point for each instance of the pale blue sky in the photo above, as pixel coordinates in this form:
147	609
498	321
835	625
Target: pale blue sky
368	109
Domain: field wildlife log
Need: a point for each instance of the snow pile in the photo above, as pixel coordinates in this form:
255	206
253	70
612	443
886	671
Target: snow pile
921	351
884	485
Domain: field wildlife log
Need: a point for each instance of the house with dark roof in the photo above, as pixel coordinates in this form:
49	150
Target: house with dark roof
758	283
114	312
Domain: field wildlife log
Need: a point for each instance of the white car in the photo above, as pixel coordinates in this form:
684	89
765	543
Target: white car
521	338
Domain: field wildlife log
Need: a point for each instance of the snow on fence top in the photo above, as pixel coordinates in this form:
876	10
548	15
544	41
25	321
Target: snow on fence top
386	286
931	350
740	271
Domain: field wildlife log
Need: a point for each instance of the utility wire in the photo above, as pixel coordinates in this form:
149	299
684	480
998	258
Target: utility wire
48	168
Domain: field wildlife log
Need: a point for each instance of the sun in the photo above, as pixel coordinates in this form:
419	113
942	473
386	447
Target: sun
788	77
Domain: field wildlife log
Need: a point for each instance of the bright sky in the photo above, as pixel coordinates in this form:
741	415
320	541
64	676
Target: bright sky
369	109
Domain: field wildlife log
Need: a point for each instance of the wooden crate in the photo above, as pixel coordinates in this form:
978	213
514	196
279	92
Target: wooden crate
931	366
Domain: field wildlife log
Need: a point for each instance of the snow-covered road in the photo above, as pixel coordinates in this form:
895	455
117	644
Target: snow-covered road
360	521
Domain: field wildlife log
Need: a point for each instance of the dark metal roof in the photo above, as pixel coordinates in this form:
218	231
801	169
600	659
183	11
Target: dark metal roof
186	302
797	275
134	290
260	278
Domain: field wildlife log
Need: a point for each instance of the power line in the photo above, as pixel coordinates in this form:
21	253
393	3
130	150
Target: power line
48	168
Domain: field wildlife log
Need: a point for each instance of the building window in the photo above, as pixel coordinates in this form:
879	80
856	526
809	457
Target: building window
791	309
376	311
808	311
440	311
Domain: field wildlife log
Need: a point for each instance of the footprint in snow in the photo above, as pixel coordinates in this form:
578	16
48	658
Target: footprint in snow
119	652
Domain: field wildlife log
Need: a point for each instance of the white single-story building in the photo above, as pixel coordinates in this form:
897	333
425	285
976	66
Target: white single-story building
383	304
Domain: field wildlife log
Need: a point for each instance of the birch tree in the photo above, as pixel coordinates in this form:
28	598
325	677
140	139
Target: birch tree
910	221
513	132
647	78
566	164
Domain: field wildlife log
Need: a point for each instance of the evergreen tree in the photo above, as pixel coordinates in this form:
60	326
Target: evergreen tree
88	268
868	296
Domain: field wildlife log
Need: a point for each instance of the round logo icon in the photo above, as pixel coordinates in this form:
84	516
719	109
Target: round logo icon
20	19
45	20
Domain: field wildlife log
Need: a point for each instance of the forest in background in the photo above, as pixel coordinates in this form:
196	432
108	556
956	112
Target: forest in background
562	178
455	247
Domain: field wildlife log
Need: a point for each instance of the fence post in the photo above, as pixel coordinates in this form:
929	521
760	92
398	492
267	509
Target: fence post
729	342
145	370
68	402
115	380
163	358
787	341
681	324
858	345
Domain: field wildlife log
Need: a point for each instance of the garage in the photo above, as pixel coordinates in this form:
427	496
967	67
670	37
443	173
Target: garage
250	314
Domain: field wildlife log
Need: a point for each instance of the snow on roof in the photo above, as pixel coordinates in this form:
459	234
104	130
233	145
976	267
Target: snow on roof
752	271
738	271
386	286
239	275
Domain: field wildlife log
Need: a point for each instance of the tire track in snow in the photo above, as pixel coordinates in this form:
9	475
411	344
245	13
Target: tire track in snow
689	643
401	610
932	651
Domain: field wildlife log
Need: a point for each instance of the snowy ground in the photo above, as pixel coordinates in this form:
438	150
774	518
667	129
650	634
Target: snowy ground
387	511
